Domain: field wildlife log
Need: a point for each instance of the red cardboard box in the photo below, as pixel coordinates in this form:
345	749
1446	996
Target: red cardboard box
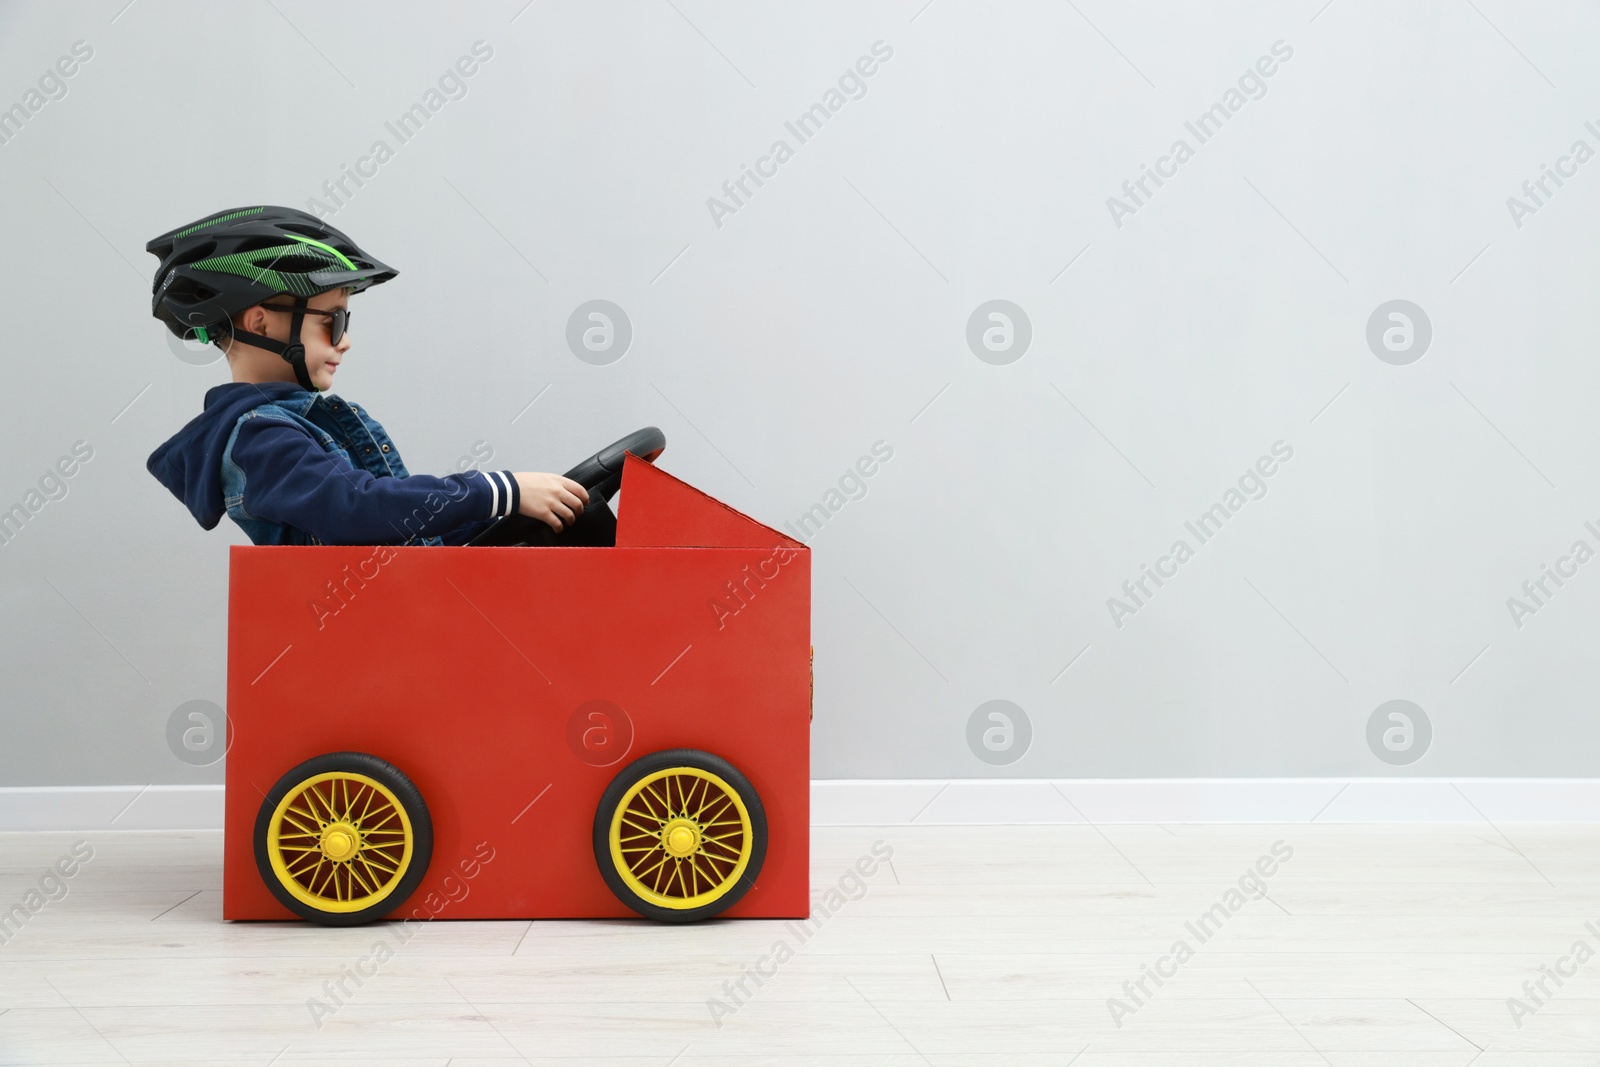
511	685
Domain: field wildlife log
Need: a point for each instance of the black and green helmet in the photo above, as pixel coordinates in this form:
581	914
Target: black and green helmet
215	268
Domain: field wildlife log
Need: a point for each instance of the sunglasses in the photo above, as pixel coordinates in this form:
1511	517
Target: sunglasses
338	319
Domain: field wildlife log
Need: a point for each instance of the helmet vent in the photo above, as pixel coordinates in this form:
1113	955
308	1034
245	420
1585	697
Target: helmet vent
203	250
298	264
188	291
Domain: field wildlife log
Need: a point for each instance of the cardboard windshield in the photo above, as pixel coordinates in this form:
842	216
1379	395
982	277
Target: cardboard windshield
660	511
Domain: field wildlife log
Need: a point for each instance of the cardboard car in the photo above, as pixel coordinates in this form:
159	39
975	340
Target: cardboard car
556	732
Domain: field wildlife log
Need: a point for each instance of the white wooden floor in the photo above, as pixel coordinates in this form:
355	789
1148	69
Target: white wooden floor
1379	946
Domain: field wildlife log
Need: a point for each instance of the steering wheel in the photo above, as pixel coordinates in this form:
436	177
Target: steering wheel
601	473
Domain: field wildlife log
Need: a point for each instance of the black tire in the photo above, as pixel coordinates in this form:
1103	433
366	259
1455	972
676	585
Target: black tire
734	887
410	801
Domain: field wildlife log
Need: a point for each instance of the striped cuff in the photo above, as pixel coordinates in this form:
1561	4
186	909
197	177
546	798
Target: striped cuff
504	496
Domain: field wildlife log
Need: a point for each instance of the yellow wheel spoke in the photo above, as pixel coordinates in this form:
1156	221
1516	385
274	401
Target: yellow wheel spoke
376	878
724	855
304	808
724	801
653	831
640	838
329	798
356	875
705	798
392	814
376	817
311	796
664	801
694	876
311	863
640	804
290	819
710	881
311	876
719	868
330	879
367	859
642	875
380	861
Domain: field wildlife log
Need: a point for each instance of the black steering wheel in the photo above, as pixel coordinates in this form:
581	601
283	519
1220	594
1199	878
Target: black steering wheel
601	473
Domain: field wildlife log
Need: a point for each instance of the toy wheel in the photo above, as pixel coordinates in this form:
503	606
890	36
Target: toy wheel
680	835
343	839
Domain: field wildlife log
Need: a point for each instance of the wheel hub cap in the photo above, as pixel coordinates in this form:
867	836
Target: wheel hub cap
681	837
340	841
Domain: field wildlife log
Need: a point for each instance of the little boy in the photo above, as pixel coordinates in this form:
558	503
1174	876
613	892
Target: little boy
288	461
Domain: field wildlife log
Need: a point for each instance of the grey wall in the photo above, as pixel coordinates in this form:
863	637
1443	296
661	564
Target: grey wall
1171	347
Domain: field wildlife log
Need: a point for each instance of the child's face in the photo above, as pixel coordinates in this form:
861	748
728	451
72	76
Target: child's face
322	356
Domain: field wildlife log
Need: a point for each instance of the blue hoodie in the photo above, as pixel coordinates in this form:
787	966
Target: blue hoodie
313	468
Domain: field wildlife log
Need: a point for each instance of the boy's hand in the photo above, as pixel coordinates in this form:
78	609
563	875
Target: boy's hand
552	499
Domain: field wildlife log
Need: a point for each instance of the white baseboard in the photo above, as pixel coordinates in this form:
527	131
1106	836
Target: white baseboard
927	802
859	802
111	807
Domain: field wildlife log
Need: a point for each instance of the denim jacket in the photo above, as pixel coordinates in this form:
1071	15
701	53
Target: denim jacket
336	426
319	471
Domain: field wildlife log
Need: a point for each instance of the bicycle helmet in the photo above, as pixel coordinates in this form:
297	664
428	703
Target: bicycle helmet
215	268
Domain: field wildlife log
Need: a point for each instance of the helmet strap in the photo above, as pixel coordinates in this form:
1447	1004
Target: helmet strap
293	352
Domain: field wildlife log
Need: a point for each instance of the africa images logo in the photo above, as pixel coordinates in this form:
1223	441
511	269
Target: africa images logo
1252	85
851	85
1252	485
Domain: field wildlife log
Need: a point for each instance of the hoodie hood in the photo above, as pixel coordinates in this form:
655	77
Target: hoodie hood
190	462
